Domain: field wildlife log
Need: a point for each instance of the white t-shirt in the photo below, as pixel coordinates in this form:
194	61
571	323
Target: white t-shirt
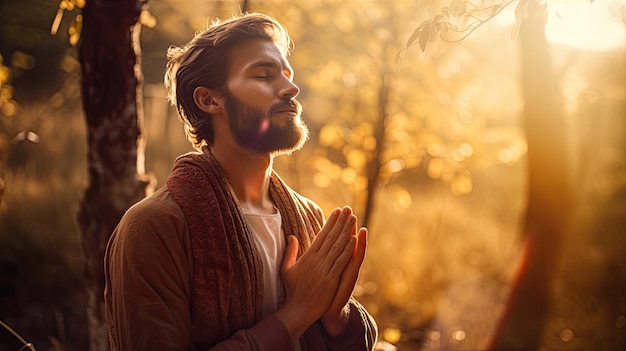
270	239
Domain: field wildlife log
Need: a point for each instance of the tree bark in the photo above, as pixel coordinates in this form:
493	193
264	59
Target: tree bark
549	203
111	90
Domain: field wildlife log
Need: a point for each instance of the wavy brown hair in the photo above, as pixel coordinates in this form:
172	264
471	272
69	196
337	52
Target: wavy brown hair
205	61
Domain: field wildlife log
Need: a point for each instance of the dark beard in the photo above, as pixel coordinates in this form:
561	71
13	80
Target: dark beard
254	129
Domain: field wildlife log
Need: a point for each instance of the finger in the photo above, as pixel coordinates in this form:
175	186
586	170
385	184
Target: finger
335	227
328	234
337	240
342	260
328	226
346	217
351	272
291	253
361	245
350	275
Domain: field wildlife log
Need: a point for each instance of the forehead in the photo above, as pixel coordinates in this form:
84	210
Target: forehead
257	52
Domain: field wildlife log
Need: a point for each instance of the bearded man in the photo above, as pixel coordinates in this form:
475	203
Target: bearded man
226	256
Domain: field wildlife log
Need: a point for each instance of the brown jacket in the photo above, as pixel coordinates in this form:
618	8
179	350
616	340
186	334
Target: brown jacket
155	299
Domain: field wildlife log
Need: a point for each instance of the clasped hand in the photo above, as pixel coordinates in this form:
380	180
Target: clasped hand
320	282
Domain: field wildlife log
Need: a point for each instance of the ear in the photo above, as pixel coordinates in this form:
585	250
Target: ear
207	100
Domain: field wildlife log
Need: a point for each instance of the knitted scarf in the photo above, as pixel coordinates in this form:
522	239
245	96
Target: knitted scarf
227	288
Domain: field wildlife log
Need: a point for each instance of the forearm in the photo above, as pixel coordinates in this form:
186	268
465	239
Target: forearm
269	334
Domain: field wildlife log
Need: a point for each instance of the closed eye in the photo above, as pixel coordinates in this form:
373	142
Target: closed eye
262	74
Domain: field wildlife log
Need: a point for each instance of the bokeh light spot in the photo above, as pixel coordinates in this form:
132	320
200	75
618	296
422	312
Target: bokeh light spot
435	168
435	149
370	287
9	108
22	60
454	66
402	197
396	165
466	149
369	143
466	117
396	275
567	335
457	155
443	72
321	180
330	136
392	335
462	184
444	98
505	156
458	335
349	79
348	175
355	157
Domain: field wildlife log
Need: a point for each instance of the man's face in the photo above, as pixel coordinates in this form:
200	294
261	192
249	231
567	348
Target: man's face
257	129
259	100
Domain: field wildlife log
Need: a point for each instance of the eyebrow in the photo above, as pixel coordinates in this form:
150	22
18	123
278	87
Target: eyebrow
270	64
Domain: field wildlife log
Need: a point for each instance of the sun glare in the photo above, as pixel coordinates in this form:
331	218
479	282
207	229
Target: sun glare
597	25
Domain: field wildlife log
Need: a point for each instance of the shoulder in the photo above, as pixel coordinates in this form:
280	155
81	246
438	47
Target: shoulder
155	217
160	202
158	207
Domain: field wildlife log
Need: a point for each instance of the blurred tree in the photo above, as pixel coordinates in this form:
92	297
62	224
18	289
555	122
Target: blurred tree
111	90
548	201
549	205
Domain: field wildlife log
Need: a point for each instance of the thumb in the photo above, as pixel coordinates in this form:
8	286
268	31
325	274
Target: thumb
291	252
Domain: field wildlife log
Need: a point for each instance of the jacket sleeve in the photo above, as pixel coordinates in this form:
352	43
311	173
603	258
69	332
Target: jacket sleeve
360	334
148	270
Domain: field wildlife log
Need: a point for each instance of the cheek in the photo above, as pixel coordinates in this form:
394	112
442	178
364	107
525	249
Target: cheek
264	125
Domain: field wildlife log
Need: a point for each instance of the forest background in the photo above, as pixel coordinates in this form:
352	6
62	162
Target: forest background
446	213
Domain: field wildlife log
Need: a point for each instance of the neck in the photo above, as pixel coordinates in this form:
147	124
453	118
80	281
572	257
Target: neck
249	175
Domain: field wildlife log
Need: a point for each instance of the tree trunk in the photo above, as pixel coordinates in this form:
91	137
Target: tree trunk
373	166
245	6
111	90
549	202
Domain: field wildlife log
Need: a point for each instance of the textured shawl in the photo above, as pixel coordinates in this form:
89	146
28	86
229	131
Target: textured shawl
227	287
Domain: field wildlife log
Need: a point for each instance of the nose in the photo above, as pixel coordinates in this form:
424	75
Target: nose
289	89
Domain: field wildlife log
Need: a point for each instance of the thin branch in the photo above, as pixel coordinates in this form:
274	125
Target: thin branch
426	30
473	26
18	336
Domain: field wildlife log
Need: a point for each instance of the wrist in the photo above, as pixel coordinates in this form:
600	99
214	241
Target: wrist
336	323
294	322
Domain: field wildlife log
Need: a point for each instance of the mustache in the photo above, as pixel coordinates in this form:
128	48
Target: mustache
284	105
